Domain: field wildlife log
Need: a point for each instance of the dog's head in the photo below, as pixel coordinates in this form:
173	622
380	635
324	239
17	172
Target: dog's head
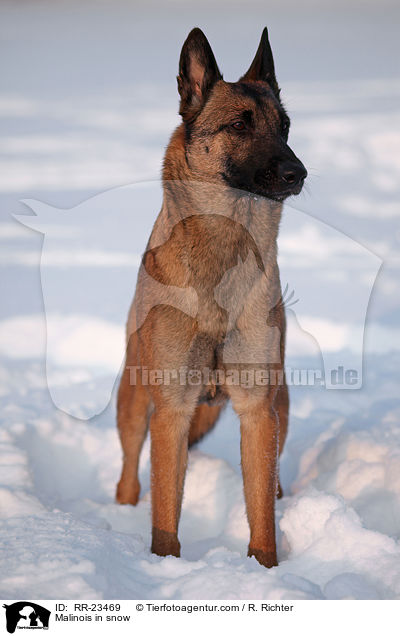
236	132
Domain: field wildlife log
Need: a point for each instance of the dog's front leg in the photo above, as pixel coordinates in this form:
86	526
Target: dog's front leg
169	448
259	451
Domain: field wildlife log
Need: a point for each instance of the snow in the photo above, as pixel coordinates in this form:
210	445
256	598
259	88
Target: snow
93	117
338	526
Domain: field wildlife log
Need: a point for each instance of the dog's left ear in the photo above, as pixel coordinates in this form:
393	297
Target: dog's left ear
262	67
198	72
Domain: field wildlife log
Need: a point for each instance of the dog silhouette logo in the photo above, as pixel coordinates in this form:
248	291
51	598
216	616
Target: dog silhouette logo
91	258
26	615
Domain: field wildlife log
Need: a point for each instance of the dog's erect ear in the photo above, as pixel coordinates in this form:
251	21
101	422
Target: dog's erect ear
198	72
262	67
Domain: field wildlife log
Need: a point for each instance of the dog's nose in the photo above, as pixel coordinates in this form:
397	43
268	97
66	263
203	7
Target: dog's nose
292	173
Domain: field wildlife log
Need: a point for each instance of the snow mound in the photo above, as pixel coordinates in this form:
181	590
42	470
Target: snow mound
62	530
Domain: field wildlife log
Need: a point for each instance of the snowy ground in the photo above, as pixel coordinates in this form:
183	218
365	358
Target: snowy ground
87	103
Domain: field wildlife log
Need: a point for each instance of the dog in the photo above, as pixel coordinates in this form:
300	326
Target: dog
208	295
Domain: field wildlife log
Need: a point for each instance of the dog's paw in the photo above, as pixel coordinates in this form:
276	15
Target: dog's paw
127	493
267	559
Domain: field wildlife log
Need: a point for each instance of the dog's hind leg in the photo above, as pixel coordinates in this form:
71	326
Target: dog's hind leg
132	419
203	420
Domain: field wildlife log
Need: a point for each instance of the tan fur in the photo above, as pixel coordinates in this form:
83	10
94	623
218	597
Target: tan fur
212	254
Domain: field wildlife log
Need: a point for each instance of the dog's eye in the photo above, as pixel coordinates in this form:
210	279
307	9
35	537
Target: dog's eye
239	125
285	127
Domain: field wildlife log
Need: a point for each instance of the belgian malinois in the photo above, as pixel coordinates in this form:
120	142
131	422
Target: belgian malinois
208	295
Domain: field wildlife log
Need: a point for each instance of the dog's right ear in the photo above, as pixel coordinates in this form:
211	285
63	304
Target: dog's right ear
198	72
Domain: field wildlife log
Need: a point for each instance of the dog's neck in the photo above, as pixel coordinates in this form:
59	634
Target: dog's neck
175	165
187	193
